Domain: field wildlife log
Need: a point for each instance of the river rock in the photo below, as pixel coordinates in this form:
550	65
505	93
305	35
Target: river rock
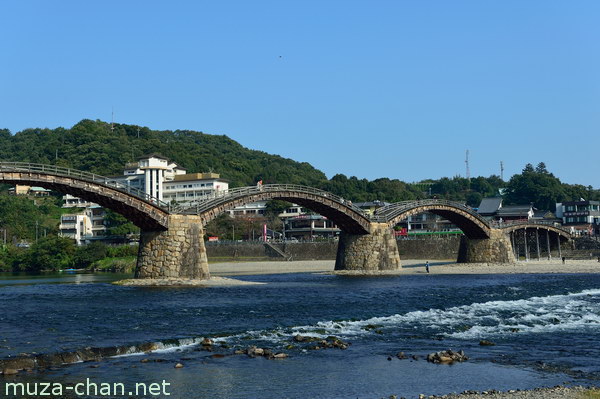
207	342
280	355
254	351
447	356
10	371
483	342
179	366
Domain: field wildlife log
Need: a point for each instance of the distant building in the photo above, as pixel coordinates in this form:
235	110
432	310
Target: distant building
75	226
150	173
84	226
515	212
426	222
20	189
493	209
189	187
309	227
250	210
583	216
371	206
489	206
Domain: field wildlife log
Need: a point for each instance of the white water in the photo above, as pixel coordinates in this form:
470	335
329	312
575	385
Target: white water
555	313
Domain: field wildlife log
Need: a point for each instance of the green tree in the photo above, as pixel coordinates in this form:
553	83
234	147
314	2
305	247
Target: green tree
87	254
537	186
118	225
49	253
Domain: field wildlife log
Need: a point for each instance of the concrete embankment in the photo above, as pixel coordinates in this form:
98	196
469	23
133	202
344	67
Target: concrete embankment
445	247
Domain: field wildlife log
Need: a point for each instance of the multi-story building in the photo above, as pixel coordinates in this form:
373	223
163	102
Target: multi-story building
75	226
84	226
150	173
583	216
189	187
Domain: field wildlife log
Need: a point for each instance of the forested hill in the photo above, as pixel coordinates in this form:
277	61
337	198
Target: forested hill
93	146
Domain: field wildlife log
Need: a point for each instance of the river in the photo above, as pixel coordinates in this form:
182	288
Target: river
545	327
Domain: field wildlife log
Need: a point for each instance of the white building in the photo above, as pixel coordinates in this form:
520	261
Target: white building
84	226
150	173
75	226
189	187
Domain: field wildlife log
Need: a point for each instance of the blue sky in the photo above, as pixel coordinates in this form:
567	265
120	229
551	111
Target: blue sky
395	89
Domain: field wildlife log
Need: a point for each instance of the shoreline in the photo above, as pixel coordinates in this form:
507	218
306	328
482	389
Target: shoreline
409	267
220	270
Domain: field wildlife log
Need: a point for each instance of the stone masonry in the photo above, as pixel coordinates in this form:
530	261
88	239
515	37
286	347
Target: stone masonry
368	252
496	249
178	252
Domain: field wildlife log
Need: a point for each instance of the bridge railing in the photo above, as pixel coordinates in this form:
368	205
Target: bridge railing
544	223
217	197
388	212
55	170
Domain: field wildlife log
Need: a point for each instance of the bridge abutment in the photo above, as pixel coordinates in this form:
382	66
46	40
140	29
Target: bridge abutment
368	252
496	249
178	252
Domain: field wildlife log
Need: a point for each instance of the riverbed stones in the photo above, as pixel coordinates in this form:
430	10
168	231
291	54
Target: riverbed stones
178	252
376	251
254	351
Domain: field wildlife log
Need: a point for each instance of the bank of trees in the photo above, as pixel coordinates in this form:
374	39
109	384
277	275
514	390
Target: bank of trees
52	253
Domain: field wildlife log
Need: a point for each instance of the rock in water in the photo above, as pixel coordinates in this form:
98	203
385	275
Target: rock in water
447	357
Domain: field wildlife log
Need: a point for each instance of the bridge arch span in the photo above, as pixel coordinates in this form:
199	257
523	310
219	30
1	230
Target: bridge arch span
512	227
472	225
348	218
143	212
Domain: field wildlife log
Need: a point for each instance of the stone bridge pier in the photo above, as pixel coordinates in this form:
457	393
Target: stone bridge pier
496	249
178	252
368	252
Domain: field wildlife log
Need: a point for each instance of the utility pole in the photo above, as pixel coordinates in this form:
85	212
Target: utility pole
36	230
112	119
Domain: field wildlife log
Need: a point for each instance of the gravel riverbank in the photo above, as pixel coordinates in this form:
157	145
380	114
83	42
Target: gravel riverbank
538	393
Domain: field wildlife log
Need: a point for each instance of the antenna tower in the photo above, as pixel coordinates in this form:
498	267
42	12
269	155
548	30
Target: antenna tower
467	164
112	119
501	170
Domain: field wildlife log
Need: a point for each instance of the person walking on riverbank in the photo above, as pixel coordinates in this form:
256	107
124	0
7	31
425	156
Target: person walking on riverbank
427	266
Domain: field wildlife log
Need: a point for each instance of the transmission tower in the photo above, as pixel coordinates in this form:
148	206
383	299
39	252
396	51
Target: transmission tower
467	164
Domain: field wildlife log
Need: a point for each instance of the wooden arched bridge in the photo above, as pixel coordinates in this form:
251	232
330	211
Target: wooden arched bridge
171	241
